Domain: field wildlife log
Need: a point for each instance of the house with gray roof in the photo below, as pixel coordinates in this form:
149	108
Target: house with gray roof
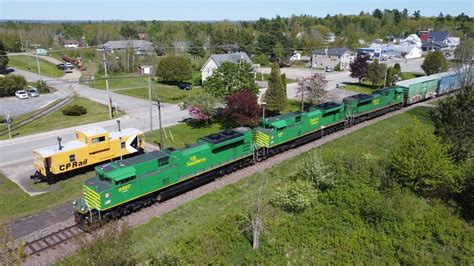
140	46
331	57
216	60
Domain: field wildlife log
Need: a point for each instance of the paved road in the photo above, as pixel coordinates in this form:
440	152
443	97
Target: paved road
137	115
335	78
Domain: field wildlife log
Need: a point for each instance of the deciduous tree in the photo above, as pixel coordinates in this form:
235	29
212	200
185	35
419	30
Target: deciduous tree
435	62
201	107
313	89
376	72
359	67
230	78
174	68
242	109
422	163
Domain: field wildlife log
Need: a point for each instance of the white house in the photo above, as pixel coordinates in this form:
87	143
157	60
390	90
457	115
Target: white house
408	51
452	42
71	44
330	57
214	61
330	37
411	39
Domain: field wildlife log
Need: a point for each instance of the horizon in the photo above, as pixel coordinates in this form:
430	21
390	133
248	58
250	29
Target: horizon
210	10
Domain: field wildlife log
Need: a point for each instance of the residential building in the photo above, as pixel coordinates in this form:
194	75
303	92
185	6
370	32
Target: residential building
330	37
438	36
434	46
452	42
412	39
71	43
331	57
140	46
214	61
407	51
384	51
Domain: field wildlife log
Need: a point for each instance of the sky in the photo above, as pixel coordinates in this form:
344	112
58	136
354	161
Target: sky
206	10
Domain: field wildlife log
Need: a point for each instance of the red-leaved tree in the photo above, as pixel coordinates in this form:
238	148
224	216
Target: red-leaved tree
359	67
242	109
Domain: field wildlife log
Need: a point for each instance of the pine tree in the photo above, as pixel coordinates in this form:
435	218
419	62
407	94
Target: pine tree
3	58
275	96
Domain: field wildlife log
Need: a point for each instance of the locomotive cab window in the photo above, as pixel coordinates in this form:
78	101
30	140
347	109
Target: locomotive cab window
298	119
97	140
125	181
280	129
72	158
122	145
163	161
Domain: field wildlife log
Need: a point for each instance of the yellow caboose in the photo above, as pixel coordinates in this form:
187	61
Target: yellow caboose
91	146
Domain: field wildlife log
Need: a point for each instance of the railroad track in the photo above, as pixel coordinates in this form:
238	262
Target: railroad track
53	107
50	241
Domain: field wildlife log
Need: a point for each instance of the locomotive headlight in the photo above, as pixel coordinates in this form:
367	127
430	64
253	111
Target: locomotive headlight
83	209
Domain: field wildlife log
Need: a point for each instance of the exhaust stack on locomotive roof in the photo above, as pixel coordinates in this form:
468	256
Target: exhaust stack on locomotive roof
59	143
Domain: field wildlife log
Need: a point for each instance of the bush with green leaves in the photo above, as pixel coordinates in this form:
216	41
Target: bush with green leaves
422	163
295	197
318	172
11	83
174	68
74	110
262	60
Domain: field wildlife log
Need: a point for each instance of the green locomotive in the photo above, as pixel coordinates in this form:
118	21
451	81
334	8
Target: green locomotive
123	186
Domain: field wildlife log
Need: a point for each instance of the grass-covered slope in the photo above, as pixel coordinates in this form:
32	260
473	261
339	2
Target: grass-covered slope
358	221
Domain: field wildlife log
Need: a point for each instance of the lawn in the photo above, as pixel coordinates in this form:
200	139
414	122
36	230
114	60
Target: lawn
336	229
56	120
182	134
359	88
137	86
15	203
28	63
408	75
266	77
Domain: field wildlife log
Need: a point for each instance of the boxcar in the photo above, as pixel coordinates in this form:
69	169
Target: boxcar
419	89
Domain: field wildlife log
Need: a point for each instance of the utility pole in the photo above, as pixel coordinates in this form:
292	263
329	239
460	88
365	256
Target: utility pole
9	121
160	125
150	103
107	84
302	94
38	64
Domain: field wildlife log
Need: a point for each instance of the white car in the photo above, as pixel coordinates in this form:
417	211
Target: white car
21	94
32	91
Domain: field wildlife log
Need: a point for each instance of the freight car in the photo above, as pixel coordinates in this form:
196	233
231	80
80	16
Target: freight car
91	146
123	186
419	89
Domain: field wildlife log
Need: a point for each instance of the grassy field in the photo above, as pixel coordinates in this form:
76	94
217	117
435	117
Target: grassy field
28	63
56	120
137	86
182	134
15	203
265	77
359	88
336	229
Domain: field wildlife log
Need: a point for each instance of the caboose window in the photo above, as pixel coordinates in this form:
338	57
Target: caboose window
72	158
97	140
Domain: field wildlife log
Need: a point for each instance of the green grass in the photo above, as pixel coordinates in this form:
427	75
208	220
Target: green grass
408	75
334	230
182	134
137	86
359	88
28	63
56	120
266	77
15	203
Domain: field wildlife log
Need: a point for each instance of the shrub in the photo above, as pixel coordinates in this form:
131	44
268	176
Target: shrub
262	59
338	67
295	197
42	87
318	172
74	110
422	163
174	68
11	83
242	109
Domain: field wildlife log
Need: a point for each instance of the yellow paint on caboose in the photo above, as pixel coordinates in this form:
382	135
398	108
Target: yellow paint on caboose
91	146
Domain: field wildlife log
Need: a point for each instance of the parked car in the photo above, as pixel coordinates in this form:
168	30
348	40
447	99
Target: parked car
329	69
32	91
22	94
185	86
61	66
